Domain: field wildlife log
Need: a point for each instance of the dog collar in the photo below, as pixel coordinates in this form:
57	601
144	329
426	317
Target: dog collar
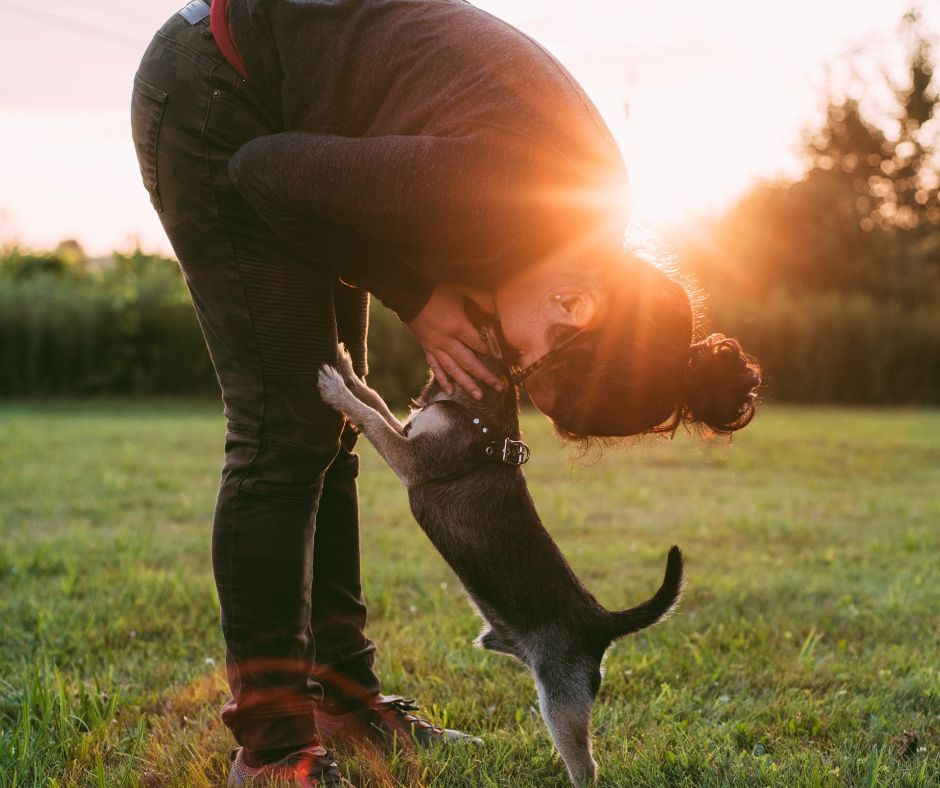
498	448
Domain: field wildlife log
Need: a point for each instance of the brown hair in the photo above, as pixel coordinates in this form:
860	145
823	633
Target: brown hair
639	371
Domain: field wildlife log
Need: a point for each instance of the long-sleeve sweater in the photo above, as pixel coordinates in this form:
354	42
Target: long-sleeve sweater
424	141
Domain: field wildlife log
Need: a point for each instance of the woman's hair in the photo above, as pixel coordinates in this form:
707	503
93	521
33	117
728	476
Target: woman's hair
638	370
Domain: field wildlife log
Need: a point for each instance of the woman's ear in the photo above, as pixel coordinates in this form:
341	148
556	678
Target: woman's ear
577	308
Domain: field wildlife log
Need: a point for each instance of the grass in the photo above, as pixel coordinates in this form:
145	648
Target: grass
806	651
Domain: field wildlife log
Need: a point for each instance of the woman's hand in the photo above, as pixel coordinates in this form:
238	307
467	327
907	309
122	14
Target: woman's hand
449	339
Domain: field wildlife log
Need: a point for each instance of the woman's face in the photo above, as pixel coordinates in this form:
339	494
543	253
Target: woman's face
533	308
529	322
535	300
526	334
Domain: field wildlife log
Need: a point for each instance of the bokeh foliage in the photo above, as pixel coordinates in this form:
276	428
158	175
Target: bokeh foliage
126	326
123	328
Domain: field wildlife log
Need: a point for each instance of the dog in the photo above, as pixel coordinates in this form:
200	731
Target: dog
460	460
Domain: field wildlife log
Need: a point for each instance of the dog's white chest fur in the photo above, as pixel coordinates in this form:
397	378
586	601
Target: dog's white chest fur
426	421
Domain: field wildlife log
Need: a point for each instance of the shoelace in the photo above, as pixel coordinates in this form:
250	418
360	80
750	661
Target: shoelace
404	708
317	761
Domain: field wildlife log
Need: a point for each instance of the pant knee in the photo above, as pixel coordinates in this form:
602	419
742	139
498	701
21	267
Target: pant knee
268	465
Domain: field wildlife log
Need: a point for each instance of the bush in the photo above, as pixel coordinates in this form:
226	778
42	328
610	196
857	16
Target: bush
838	347
397	367
128	328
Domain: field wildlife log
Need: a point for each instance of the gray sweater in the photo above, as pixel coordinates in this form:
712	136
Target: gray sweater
424	141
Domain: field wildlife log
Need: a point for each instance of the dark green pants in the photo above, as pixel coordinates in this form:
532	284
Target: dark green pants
285	546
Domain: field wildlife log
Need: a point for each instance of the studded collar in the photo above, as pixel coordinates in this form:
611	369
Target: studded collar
493	447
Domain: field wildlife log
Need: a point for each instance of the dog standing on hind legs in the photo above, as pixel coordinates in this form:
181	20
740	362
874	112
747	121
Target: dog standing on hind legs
460	461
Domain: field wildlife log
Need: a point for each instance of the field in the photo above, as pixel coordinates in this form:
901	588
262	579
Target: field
806	650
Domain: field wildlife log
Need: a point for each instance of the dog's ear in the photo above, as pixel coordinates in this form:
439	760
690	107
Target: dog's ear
493	347
488	327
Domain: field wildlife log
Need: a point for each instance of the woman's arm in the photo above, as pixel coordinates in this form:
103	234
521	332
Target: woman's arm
353	257
452	198
279	176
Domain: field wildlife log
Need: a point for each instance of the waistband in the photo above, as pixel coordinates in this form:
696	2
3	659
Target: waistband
220	25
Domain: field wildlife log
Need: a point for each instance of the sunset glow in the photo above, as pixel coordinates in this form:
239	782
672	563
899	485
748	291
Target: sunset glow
703	99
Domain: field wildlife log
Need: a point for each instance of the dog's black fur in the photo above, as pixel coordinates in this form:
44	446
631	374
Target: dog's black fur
481	519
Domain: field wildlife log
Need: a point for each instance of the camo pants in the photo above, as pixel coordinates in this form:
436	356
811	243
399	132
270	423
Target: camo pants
285	545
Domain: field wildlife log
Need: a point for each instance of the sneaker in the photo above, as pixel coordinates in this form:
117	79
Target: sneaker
313	767
385	718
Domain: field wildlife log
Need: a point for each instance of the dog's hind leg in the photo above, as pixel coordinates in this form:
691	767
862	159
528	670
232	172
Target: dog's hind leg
566	698
492	640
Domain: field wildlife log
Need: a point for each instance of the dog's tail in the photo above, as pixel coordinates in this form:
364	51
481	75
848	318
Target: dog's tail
654	609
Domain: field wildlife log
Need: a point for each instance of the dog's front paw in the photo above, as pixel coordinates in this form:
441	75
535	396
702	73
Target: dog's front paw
344	364
333	388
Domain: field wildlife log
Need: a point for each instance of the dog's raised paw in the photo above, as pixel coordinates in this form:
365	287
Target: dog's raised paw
344	364
332	386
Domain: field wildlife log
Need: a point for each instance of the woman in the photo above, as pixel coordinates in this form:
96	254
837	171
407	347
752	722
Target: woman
304	153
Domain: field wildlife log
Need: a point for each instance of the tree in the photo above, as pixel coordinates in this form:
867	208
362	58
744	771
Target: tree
865	217
887	178
891	167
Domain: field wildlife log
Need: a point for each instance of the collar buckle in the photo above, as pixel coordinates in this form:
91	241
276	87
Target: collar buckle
515	452
507	452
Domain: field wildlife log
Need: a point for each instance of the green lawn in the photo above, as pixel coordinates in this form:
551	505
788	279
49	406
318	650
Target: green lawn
806	650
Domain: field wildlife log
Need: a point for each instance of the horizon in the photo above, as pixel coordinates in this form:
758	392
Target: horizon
718	99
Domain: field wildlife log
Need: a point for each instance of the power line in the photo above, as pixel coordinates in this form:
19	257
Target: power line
69	23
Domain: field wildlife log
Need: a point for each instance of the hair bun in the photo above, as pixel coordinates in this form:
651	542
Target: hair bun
721	387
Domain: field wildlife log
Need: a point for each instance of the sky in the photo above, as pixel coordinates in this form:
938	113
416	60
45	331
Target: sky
704	98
